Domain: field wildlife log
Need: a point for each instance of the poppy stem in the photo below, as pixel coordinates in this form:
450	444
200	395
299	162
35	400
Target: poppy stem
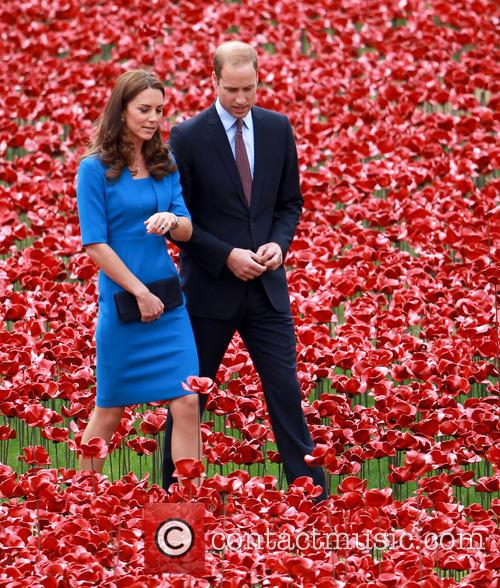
111	459
495	297
39	539
117	550
94	482
123	464
153	466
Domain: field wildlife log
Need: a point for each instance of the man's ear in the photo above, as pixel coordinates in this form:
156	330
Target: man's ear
214	81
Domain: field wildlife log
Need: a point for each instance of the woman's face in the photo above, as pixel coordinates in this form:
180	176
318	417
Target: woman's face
143	114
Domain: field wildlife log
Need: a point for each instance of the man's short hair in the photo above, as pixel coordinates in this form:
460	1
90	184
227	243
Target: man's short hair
235	53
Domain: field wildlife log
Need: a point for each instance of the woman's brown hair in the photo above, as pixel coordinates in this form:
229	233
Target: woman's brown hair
110	142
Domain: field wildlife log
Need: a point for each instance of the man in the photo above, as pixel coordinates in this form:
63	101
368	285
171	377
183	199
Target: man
240	179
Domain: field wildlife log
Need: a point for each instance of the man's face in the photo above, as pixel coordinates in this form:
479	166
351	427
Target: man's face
236	88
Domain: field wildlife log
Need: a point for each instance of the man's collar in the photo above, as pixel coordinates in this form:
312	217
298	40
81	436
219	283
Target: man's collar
228	119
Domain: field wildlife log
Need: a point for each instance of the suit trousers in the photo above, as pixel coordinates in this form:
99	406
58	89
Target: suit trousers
270	340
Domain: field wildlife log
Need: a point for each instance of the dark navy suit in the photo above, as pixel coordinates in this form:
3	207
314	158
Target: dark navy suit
219	303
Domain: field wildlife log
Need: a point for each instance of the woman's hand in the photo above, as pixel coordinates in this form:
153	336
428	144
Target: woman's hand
150	306
161	222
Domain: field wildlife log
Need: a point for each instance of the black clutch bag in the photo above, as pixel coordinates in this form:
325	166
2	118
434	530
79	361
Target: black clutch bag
168	291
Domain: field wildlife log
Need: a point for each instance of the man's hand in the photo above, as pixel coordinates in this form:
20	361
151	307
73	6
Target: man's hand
245	264
270	255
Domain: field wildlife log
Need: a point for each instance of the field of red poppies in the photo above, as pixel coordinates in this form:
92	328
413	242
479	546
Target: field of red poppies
393	278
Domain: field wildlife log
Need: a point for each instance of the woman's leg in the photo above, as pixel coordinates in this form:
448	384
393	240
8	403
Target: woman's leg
102	423
186	433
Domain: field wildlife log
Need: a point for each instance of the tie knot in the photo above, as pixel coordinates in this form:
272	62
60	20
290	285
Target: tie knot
239	125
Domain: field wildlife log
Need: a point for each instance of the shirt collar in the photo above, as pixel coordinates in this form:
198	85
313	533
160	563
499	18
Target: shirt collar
228	119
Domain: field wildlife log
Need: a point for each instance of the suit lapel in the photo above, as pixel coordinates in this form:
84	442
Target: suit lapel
221	145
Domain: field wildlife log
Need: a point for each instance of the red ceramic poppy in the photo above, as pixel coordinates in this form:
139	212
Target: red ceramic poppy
36	455
142	445
392	278
95	447
188	468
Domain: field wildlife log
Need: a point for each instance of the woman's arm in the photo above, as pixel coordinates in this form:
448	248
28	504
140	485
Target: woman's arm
184	231
90	192
161	223
150	306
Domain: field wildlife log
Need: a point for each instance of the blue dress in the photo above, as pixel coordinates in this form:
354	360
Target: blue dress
136	362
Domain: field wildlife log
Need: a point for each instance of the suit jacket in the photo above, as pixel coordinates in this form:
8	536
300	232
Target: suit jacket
221	217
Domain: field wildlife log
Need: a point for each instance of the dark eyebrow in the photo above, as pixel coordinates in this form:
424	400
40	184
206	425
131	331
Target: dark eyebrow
162	105
234	88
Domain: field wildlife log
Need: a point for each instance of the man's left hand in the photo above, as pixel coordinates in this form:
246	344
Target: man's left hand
270	255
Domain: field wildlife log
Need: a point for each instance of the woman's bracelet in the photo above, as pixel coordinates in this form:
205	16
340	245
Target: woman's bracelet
177	222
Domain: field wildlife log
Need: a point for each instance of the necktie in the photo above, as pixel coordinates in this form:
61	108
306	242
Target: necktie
242	161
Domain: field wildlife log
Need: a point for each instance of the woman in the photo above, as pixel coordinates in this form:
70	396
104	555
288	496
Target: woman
129	197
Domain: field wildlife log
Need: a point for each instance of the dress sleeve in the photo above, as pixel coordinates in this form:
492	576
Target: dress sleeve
91	202
177	204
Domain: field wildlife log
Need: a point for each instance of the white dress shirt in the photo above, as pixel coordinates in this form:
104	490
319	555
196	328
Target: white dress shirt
229	123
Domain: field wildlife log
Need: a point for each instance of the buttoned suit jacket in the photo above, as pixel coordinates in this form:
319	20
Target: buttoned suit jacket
222	219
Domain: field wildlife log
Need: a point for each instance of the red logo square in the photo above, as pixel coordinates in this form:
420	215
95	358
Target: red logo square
174	539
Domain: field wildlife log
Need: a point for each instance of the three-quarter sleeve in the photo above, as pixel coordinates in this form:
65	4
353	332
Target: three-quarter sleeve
90	194
177	204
